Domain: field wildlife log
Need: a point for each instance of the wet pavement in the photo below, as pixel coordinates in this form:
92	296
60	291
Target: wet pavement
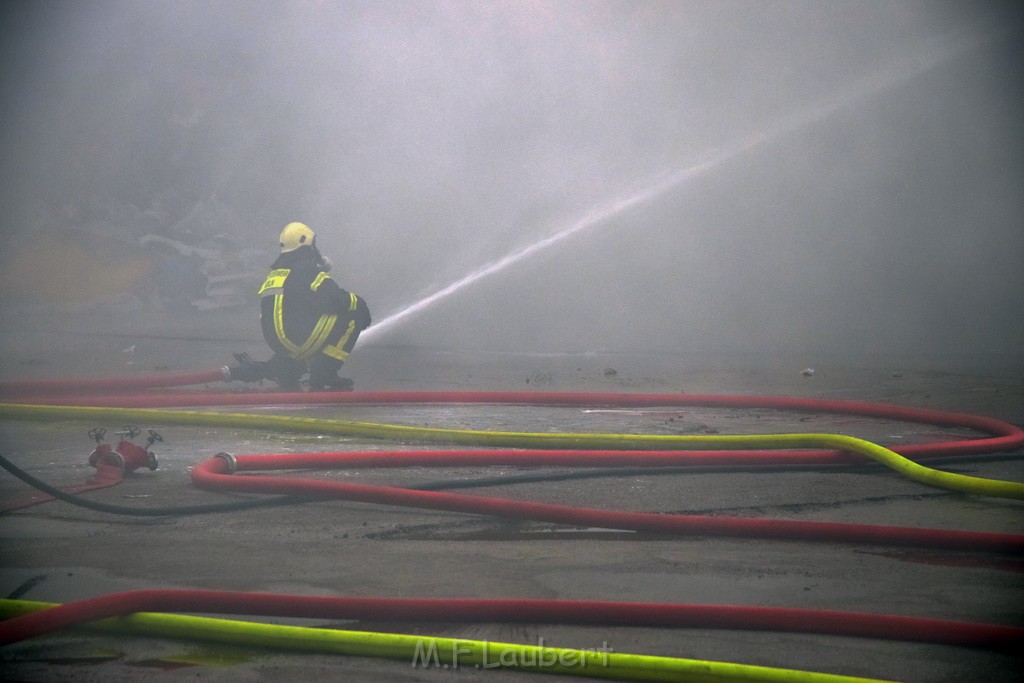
58	552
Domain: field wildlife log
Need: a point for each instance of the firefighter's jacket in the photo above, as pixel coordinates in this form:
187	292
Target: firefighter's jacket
304	311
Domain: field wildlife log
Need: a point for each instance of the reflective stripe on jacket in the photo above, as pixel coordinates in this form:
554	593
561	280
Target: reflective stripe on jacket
300	305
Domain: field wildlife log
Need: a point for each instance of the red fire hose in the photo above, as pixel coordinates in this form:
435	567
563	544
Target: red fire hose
1003	435
214	474
218	472
518	611
107	474
61	387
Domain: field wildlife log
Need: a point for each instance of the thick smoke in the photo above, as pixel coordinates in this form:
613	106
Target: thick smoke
864	196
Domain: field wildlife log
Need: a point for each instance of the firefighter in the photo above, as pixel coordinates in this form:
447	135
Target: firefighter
309	322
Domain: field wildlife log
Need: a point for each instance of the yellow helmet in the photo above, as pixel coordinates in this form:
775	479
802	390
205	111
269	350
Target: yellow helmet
296	235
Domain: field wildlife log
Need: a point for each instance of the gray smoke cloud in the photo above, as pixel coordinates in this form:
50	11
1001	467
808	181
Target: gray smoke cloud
856	166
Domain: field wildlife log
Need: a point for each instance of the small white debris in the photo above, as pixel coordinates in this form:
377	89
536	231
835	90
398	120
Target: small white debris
807	372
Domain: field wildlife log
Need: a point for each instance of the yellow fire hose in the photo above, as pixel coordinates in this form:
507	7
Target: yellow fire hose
451	652
448	653
908	468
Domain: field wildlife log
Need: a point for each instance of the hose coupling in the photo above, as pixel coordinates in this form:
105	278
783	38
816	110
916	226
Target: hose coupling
113	458
232	463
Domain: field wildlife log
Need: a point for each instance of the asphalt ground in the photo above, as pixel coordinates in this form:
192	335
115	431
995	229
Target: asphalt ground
59	552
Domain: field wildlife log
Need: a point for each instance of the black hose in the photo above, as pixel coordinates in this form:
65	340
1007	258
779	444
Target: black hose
504	480
146	512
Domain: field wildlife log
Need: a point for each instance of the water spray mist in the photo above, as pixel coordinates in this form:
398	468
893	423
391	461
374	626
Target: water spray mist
940	50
